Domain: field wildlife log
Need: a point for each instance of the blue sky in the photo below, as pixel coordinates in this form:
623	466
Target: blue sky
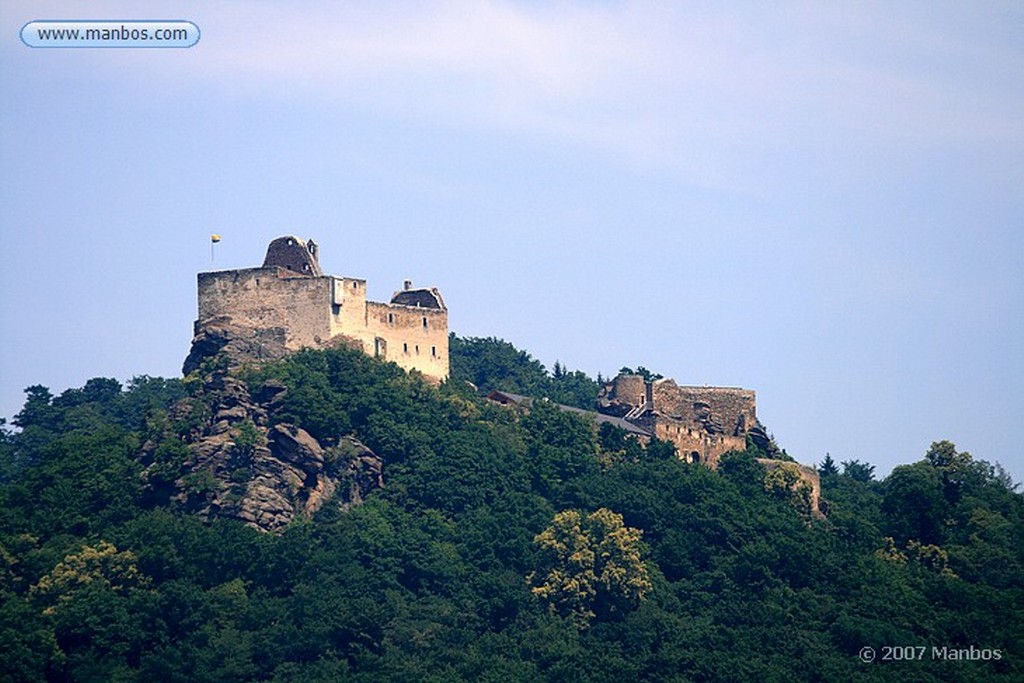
821	202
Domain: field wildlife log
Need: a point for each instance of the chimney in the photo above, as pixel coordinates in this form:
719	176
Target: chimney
407	285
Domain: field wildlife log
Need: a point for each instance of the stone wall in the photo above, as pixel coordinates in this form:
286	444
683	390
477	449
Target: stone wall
268	298
703	423
630	389
415	338
348	310
725	410
319	311
294	254
694	444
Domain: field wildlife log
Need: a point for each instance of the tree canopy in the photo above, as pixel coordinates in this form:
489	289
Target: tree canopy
506	545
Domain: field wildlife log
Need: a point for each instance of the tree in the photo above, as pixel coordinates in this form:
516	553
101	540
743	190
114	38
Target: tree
858	471
954	468
37	409
915	504
101	565
828	467
589	566
642	371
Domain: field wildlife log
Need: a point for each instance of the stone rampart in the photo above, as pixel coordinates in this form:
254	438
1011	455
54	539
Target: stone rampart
290	297
267	298
413	337
730	411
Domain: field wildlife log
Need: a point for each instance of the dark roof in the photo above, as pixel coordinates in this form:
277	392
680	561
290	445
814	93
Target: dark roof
422	298
506	398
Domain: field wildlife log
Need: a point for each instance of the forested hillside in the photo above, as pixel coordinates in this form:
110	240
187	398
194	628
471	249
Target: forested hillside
504	546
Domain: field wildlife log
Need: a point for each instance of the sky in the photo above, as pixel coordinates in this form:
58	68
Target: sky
823	202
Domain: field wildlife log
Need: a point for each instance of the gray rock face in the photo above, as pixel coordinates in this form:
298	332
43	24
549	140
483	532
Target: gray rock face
239	466
293	445
235	343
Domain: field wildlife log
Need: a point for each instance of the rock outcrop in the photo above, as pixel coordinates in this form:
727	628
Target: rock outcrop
236	344
234	462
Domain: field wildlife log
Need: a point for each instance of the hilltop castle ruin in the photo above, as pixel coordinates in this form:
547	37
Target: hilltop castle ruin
703	422
288	303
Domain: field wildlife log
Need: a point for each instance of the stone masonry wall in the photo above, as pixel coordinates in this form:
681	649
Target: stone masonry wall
630	389
415	338
268	298
696	445
316	311
348	310
731	410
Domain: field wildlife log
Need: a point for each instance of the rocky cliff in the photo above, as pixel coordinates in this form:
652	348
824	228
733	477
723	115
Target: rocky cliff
221	453
234	344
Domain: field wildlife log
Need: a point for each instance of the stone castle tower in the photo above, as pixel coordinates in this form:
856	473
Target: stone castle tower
288	304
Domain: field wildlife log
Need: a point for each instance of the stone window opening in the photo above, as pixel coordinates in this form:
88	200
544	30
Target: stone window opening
391	318
424	322
417	349
405	348
433	352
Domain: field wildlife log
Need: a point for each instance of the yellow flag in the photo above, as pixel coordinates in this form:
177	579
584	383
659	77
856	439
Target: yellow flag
215	238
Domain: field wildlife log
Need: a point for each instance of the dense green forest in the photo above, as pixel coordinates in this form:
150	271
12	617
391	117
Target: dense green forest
505	546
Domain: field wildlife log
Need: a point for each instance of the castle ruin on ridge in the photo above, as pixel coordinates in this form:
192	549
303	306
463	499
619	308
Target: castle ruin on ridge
288	304
703	423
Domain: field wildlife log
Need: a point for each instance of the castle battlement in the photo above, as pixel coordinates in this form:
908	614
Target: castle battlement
290	300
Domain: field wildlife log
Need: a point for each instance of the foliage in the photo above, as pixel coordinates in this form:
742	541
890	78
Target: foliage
858	471
101	579
828	467
784	481
589	564
642	371
492	363
99	565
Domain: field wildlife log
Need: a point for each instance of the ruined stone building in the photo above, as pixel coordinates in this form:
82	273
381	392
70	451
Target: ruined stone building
288	303
703	423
